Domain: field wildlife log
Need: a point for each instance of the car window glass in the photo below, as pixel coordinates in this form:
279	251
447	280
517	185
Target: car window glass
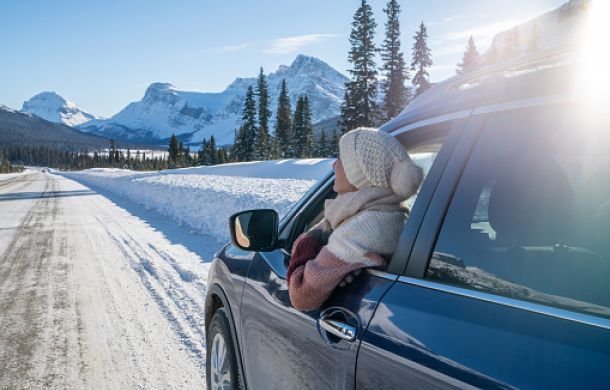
531	214
318	212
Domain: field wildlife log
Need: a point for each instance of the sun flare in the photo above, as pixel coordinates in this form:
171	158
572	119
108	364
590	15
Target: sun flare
593	77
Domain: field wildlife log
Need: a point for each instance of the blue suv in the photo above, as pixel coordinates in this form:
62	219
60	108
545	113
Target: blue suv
500	279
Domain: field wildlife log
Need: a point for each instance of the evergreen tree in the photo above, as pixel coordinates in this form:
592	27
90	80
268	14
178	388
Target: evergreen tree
359	108
202	154
180	157
236	148
307	128
303	130
348	120
333	147
299	136
471	60
422	60
248	128
275	149
111	151
283	124
173	150
263	141
222	156
321	147
396	93
213	151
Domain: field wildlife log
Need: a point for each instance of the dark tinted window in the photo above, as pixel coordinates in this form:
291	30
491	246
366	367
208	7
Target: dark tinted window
530	218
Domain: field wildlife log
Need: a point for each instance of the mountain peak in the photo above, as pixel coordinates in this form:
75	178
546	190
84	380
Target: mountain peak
158	86
161	92
49	96
53	107
303	59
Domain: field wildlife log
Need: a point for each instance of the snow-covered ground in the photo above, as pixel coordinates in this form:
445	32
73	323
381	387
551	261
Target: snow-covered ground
95	293
204	198
100	286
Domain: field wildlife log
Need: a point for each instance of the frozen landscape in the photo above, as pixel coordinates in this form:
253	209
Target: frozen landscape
112	292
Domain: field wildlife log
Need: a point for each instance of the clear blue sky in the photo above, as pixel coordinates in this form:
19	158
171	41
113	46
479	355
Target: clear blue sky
103	54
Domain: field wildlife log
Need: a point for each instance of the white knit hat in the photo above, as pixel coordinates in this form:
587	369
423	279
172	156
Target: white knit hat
373	158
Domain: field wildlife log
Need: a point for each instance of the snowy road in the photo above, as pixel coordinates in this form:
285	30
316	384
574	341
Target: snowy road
91	296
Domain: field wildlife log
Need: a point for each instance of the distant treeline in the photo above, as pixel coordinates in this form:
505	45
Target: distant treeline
54	158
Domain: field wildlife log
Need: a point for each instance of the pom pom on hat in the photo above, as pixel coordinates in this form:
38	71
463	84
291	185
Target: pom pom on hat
406	178
376	159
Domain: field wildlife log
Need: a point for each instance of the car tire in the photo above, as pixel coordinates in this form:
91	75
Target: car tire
221	362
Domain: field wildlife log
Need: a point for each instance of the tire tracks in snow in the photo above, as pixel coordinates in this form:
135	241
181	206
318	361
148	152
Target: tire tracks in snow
36	327
165	284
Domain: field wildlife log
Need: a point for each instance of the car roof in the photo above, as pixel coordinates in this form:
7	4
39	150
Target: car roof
543	74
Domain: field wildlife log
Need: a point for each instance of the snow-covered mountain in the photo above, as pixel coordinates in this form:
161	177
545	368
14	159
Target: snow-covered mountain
25	129
54	108
558	28
165	110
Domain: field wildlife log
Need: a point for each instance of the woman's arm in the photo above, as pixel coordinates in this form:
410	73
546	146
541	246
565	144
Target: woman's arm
313	280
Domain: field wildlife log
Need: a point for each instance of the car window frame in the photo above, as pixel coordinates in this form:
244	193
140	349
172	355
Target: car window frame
454	128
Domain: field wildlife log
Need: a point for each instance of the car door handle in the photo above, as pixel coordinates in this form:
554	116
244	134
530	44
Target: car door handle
338	329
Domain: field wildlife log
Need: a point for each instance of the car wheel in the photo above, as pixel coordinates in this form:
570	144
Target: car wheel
221	363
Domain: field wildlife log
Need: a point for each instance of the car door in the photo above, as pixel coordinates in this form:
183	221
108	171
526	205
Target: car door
508	283
285	348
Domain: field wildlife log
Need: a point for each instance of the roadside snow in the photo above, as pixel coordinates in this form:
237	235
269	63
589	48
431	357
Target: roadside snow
203	198
6	176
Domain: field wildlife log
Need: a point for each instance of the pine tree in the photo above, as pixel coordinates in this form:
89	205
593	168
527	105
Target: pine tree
471	60
248	129
299	136
333	148
396	93
173	150
111	151
348	120
213	152
222	156
532	43
422	60
180	157
236	148
275	149
359	108
321	149
263	140
283	124
307	128
202	154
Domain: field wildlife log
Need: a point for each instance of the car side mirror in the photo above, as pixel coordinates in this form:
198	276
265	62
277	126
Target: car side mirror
255	230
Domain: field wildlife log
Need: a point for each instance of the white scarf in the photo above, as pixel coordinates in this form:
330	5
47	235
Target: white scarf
346	205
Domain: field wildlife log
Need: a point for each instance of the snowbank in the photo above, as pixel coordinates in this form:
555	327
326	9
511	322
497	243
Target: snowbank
204	198
6	176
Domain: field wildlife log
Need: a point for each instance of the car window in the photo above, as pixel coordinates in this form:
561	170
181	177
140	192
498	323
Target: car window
317	212
531	214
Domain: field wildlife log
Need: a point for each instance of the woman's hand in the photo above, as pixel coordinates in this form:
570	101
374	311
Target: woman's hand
350	277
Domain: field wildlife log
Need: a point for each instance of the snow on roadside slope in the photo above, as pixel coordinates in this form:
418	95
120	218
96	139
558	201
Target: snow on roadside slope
203	198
